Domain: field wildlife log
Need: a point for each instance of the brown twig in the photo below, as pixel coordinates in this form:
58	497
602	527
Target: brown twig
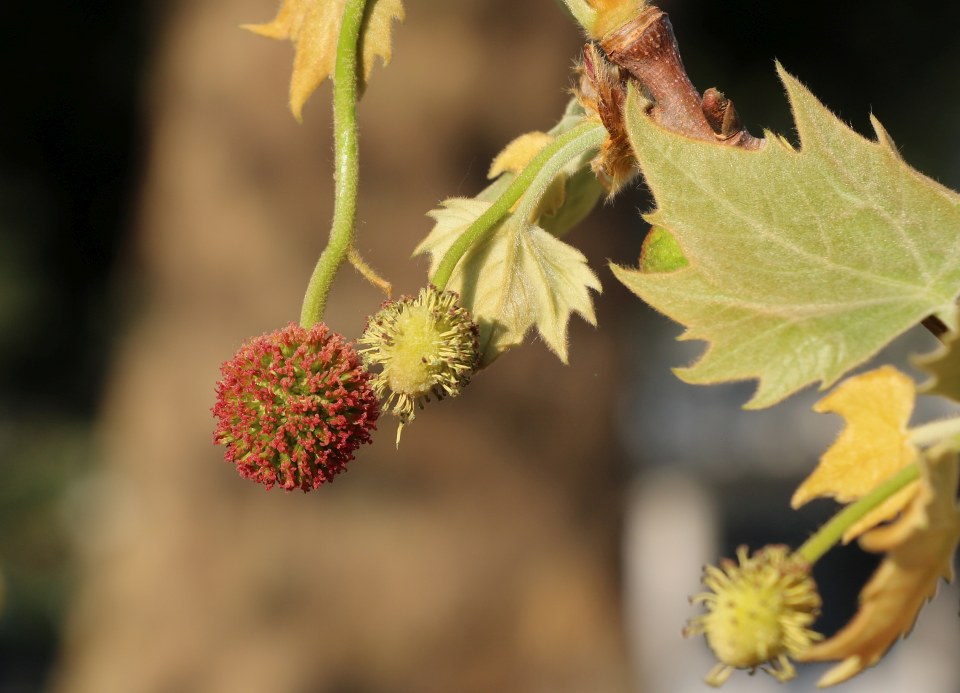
936	326
646	48
725	121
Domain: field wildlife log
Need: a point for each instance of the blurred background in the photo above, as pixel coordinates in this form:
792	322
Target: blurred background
159	205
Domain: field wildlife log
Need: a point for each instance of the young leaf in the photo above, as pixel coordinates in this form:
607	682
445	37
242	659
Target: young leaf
803	264
943	365
313	27
873	446
520	277
921	546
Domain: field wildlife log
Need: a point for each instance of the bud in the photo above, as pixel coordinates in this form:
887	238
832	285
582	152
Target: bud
424	346
759	610
293	406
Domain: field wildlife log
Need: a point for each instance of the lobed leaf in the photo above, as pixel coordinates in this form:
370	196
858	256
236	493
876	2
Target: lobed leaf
874	445
802	264
520	277
921	545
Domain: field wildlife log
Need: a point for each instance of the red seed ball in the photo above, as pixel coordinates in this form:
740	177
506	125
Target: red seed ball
293	406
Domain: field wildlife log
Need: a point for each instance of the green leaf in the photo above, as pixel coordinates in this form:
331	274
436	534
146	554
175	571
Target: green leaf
520	277
803	264
660	252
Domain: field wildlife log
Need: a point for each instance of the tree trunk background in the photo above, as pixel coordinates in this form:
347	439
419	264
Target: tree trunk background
481	556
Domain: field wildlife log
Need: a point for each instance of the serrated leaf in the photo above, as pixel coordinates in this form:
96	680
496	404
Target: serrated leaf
943	367
518	278
921	545
313	27
803	264
872	447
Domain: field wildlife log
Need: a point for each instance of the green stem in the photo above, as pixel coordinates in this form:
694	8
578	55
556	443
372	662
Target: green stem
347	165
536	177
828	535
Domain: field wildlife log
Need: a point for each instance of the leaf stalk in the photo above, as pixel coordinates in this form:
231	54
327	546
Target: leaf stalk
346	162
535	178
831	533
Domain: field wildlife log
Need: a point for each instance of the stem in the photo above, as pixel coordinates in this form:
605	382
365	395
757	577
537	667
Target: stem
828	535
347	165
537	175
368	273
646	47
935	432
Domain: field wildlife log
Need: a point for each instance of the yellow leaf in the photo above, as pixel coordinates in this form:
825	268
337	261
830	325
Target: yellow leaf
943	365
877	406
313	26
921	545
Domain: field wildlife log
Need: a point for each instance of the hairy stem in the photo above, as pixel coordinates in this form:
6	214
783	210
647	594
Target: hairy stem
535	178
828	535
347	166
368	273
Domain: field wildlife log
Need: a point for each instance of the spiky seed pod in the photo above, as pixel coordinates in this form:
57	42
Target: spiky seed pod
293	406
759	610
424	346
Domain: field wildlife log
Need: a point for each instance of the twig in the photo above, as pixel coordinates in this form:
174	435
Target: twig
646	48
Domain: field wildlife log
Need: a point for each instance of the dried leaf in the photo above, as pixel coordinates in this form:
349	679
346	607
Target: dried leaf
921	545
877	406
313	27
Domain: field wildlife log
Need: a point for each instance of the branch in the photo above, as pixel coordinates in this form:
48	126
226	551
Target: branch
646	48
